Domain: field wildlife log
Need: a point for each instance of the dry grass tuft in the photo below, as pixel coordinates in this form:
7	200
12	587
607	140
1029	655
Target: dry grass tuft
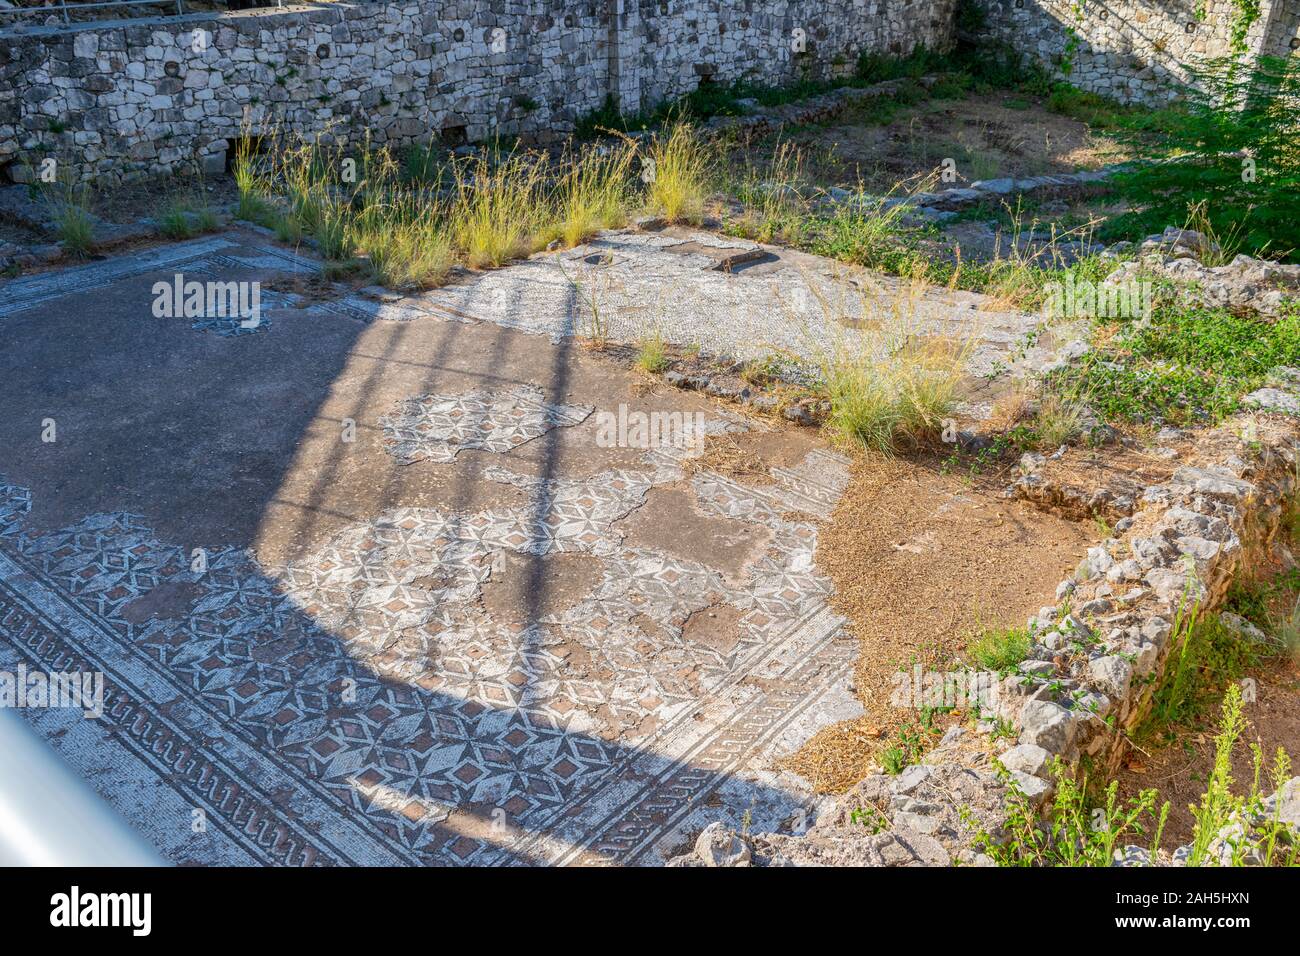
724	455
838	756
678	173
595	194
887	381
495	213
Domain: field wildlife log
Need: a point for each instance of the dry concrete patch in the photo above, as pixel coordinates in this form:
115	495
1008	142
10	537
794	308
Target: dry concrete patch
524	590
672	520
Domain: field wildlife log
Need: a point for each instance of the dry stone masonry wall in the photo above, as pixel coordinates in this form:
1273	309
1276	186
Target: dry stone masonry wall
1134	50
124	99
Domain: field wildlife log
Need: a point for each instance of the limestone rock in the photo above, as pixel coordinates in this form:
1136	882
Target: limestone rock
718	846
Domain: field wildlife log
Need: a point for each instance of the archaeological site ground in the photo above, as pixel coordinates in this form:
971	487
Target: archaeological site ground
687	434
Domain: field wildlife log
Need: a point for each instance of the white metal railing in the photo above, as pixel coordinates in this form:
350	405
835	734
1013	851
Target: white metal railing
50	816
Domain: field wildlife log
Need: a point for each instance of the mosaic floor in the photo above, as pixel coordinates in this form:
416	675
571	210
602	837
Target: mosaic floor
373	702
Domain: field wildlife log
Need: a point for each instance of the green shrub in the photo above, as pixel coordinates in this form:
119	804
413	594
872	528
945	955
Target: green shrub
186	216
1073	832
594	194
971	17
1233	147
606	116
496	209
69	208
1205	658
651	355
1076	831
1091	108
889	385
1186	365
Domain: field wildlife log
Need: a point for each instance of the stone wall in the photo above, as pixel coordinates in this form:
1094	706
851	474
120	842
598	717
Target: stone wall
1134	50
123	99
1282	31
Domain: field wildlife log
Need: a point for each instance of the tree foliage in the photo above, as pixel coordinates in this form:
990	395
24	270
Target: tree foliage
1235	145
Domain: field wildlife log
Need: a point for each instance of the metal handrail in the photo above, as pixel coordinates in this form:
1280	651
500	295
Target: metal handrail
50	816
63	6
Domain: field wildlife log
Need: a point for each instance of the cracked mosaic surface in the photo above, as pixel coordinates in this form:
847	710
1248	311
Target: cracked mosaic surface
371	684
362	705
437	427
655	283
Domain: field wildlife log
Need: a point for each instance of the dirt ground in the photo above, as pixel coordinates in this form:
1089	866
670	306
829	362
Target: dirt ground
920	560
147	199
986	136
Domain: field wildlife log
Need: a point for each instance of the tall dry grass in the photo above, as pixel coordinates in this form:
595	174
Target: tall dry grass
364	208
888	380
771	196
596	193
497	208
678	173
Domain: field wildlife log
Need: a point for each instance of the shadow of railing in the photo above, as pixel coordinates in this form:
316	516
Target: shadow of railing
231	693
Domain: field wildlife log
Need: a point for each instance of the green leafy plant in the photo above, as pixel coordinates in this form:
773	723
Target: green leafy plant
908	747
1230	829
1232	146
1217	804
1189	364
1073	832
651	355
1247	12
186	216
1233	829
999	649
871	818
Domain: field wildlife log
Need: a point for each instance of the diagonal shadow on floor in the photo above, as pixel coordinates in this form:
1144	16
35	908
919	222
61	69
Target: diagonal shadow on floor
331	687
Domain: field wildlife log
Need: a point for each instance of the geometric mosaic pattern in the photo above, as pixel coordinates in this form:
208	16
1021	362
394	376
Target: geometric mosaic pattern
230	325
366	694
362	706
436	427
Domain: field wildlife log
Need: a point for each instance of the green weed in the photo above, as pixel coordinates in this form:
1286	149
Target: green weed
999	649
